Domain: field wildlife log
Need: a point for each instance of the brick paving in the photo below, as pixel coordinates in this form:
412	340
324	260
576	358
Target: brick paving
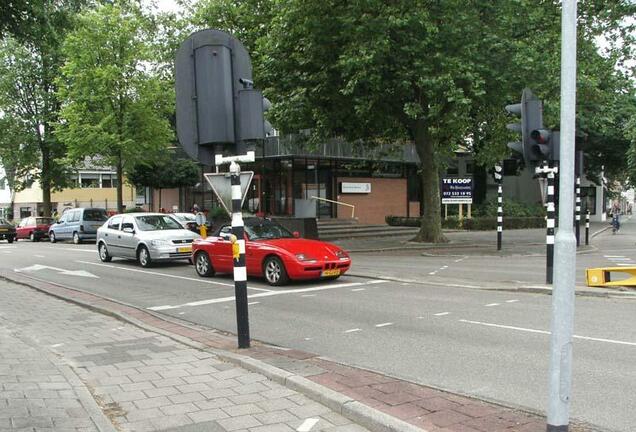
142	381
430	409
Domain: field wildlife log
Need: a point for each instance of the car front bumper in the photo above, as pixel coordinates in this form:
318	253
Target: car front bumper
325	269
168	253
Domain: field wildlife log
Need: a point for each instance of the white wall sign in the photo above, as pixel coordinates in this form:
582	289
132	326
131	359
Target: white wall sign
346	187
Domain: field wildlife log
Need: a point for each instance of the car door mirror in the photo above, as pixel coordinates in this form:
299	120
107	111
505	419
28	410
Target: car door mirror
129	230
296	234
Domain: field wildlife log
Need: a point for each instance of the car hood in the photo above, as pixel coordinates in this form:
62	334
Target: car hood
316	248
181	234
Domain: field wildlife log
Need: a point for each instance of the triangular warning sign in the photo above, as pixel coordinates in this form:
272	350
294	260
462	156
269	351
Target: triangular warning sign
222	187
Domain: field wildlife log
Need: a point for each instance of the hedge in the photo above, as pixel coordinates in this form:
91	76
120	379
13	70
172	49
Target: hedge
473	224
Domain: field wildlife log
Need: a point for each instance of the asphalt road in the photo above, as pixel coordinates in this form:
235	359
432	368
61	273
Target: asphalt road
489	344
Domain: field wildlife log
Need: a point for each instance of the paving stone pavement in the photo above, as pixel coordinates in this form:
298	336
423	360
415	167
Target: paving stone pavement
53	353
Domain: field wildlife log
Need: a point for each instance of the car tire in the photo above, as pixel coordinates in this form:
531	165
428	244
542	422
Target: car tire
143	257
203	264
103	253
32	237
52	238
274	271
10	239
76	238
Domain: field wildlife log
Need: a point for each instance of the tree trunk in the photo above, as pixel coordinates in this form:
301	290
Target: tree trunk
45	180
120	185
431	222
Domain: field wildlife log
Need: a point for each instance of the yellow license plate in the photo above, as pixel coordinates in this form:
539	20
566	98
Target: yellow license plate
185	249
327	273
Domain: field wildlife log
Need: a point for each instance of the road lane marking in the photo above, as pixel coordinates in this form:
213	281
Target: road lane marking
384	324
492	304
432	273
77	250
253	303
39	256
201	280
353	330
614	256
443	267
307	425
308	295
512	301
442	313
529	330
265	294
358	289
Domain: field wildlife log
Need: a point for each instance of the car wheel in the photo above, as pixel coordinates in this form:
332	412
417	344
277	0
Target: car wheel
10	239
274	270
32	237
76	238
103	253
143	256
203	264
52	238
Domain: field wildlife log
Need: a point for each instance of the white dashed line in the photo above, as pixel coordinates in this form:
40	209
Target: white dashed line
512	301
307	339
353	330
39	256
358	289
442	313
432	273
528	330
253	303
308	295
492	304
307	425
443	267
384	324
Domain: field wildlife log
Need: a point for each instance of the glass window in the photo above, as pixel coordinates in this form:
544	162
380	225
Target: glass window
109	180
157	223
114	223
127	223
95	215
25	212
90	181
43	221
74	181
266	229
74	216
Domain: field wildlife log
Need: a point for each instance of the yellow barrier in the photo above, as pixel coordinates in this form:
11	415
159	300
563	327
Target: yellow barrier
600	277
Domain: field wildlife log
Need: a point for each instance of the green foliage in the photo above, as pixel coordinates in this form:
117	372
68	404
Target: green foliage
485	223
18	152
113	106
511	208
165	174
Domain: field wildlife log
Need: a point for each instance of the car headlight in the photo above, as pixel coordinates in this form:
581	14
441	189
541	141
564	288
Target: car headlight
160	242
341	254
305	258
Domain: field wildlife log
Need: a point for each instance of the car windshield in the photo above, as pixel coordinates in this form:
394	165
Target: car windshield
95	215
157	223
43	221
266	230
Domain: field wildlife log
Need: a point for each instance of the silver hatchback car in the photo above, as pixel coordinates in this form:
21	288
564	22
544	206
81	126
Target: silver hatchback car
146	237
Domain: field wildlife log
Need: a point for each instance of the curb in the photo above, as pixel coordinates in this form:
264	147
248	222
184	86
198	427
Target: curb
357	412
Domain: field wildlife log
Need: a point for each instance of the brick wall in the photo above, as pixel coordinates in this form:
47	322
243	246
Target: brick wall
387	197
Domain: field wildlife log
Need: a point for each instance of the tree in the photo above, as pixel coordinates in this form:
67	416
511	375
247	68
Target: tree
29	64
113	105
18	154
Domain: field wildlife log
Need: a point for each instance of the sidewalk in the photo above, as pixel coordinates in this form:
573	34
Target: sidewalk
168	375
521	242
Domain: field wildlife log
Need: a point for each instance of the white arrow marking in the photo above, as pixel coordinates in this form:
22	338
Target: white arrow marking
37	267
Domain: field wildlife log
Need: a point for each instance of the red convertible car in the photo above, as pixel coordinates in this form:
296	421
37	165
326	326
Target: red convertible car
271	252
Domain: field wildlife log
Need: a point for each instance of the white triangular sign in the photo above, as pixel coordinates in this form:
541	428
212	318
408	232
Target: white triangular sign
222	186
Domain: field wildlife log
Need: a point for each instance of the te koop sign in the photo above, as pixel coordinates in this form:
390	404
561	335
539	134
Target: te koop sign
457	190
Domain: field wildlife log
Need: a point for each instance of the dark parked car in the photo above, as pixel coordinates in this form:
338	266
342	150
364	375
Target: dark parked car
7	231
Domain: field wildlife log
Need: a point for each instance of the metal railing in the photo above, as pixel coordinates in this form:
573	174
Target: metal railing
353	208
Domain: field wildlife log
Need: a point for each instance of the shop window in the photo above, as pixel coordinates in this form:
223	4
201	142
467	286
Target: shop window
109	180
89	181
25	212
588	200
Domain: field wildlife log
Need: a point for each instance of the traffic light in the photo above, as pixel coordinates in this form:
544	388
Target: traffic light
530	110
498	173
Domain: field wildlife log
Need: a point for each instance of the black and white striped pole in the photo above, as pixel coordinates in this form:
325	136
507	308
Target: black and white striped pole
498	179
238	258
550	171
577	212
587	228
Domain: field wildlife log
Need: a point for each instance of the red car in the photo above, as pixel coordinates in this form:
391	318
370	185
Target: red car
34	228
271	252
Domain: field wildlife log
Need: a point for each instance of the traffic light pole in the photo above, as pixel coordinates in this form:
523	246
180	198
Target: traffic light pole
577	221
499	213
549	268
587	228
560	377
238	249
